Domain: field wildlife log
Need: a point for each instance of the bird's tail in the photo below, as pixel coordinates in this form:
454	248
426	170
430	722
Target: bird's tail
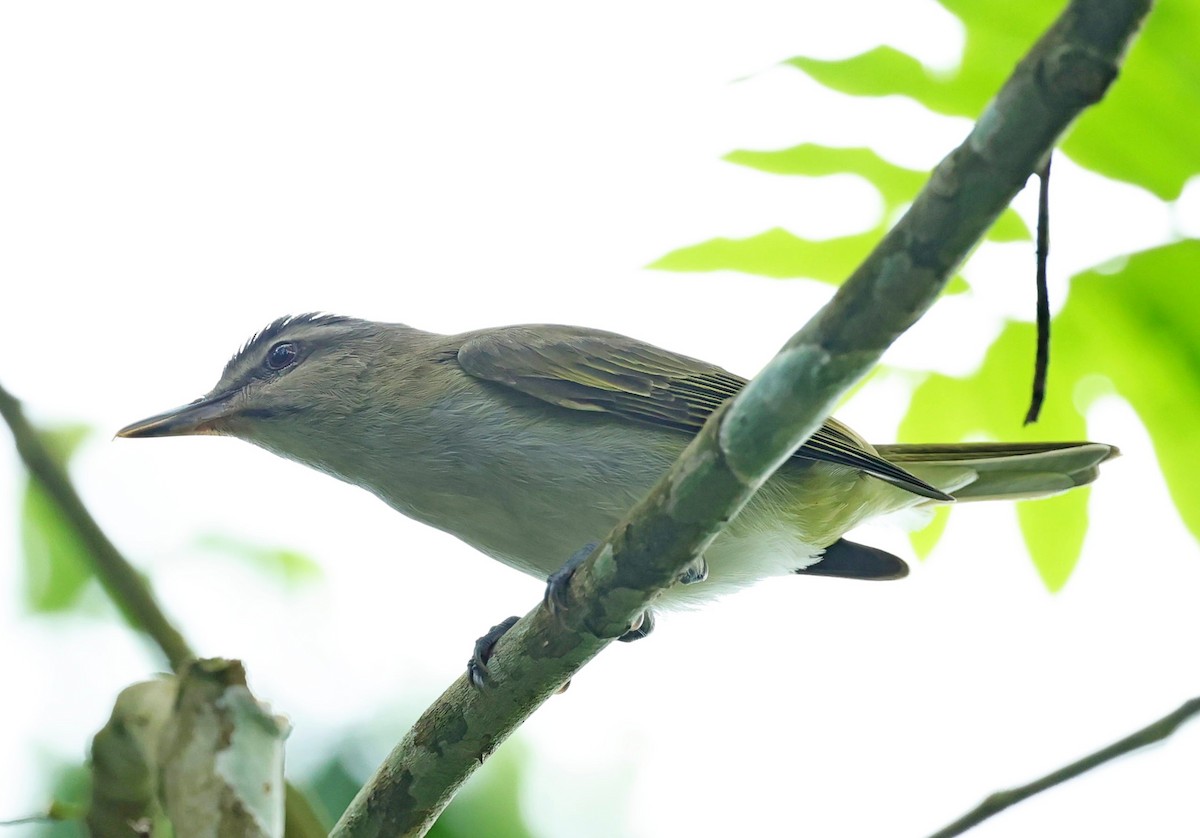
987	471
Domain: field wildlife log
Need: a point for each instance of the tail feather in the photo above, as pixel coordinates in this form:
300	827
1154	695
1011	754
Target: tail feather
987	471
850	560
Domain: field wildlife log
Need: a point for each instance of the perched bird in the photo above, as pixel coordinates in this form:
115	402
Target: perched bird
528	442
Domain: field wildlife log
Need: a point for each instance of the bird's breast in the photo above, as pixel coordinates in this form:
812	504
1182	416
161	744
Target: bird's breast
527	487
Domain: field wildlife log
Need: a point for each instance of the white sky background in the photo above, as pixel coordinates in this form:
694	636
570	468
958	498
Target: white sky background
172	177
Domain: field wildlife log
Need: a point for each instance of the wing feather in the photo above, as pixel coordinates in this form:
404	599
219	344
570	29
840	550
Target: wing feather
586	369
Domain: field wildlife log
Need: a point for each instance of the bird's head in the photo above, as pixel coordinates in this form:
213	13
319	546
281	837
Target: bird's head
297	370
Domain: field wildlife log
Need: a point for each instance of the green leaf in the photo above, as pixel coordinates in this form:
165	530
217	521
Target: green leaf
886	71
1142	132
956	285
780	254
72	789
775	253
55	558
1054	529
1146	131
897	185
1010	227
991	404
291	567
64	440
331	788
67	788
1138	328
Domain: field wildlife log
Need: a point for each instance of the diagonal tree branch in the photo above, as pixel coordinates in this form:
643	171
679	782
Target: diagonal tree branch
996	803
1069	68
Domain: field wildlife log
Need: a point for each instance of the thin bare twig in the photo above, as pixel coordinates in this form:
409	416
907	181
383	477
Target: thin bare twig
1001	800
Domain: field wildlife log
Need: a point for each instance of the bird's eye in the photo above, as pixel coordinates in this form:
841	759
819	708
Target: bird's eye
281	355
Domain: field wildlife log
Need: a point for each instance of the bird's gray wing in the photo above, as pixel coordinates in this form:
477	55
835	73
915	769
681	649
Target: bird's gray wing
586	369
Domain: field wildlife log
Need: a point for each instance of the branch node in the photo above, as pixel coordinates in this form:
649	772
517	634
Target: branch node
1074	76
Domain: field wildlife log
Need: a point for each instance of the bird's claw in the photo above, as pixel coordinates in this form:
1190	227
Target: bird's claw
558	583
640	628
477	668
558	586
697	571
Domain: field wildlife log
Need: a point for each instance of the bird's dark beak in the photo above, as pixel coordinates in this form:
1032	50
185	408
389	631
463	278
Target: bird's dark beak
202	416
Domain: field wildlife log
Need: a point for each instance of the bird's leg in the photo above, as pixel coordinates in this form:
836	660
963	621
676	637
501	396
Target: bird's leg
477	670
559	582
697	571
641	627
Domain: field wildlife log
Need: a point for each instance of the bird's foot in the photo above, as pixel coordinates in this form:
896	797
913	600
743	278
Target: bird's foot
558	583
640	628
477	669
697	571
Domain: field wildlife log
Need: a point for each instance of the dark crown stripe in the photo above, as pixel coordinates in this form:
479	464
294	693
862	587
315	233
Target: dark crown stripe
265	336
